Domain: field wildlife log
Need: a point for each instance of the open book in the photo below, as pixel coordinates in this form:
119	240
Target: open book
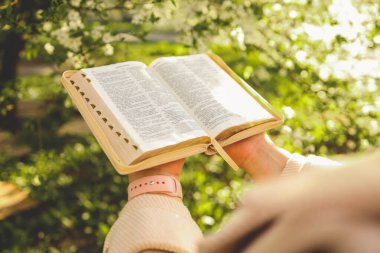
144	116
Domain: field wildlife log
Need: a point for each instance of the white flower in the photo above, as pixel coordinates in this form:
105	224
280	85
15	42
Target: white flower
96	33
293	14
277	7
75	21
208	220
366	109
356	48
64	38
301	56
75	44
286	129
75	3
289	112
289	64
373	127
344	12
377	102
238	34
330	124
73	15
75	61
101	6
371	86
49	48
6	27
46	26
90	4
108	49
376	39
108	38
324	72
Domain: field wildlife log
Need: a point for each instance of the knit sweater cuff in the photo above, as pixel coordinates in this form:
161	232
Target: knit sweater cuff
298	163
153	222
294	165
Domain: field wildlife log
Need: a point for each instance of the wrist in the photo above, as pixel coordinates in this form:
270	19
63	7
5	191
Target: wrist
266	160
157	184
258	156
169	169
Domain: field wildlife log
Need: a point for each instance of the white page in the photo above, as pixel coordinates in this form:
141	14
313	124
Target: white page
147	109
209	92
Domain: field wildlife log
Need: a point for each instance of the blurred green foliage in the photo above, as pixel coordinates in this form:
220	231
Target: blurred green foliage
314	60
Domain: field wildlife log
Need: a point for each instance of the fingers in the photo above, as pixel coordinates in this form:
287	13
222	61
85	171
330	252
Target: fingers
362	237
318	190
295	233
333	231
260	207
244	223
307	229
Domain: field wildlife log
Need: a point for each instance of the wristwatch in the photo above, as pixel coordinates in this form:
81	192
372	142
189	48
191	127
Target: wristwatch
163	184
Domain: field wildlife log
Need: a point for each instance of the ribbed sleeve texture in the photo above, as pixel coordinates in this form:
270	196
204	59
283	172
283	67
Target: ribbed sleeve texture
153	223
298	163
294	164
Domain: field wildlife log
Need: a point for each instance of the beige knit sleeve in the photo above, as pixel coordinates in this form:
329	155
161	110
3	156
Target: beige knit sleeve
298	163
153	223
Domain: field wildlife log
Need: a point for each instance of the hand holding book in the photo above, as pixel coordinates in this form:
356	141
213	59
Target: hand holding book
256	155
178	106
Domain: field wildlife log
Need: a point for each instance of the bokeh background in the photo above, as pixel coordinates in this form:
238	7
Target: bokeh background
317	61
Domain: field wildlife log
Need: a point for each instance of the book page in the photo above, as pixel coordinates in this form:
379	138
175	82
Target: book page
213	97
147	109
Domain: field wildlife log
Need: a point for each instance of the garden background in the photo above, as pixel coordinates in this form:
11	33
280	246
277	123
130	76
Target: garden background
317	61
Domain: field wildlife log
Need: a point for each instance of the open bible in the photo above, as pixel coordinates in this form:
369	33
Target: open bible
144	116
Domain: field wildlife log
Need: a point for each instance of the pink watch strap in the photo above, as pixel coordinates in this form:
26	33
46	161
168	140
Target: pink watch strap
168	185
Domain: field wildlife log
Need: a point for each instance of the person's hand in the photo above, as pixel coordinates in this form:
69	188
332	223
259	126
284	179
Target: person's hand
327	211
169	169
258	156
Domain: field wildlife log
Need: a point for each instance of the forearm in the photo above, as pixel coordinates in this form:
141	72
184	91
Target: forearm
262	159
268	161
